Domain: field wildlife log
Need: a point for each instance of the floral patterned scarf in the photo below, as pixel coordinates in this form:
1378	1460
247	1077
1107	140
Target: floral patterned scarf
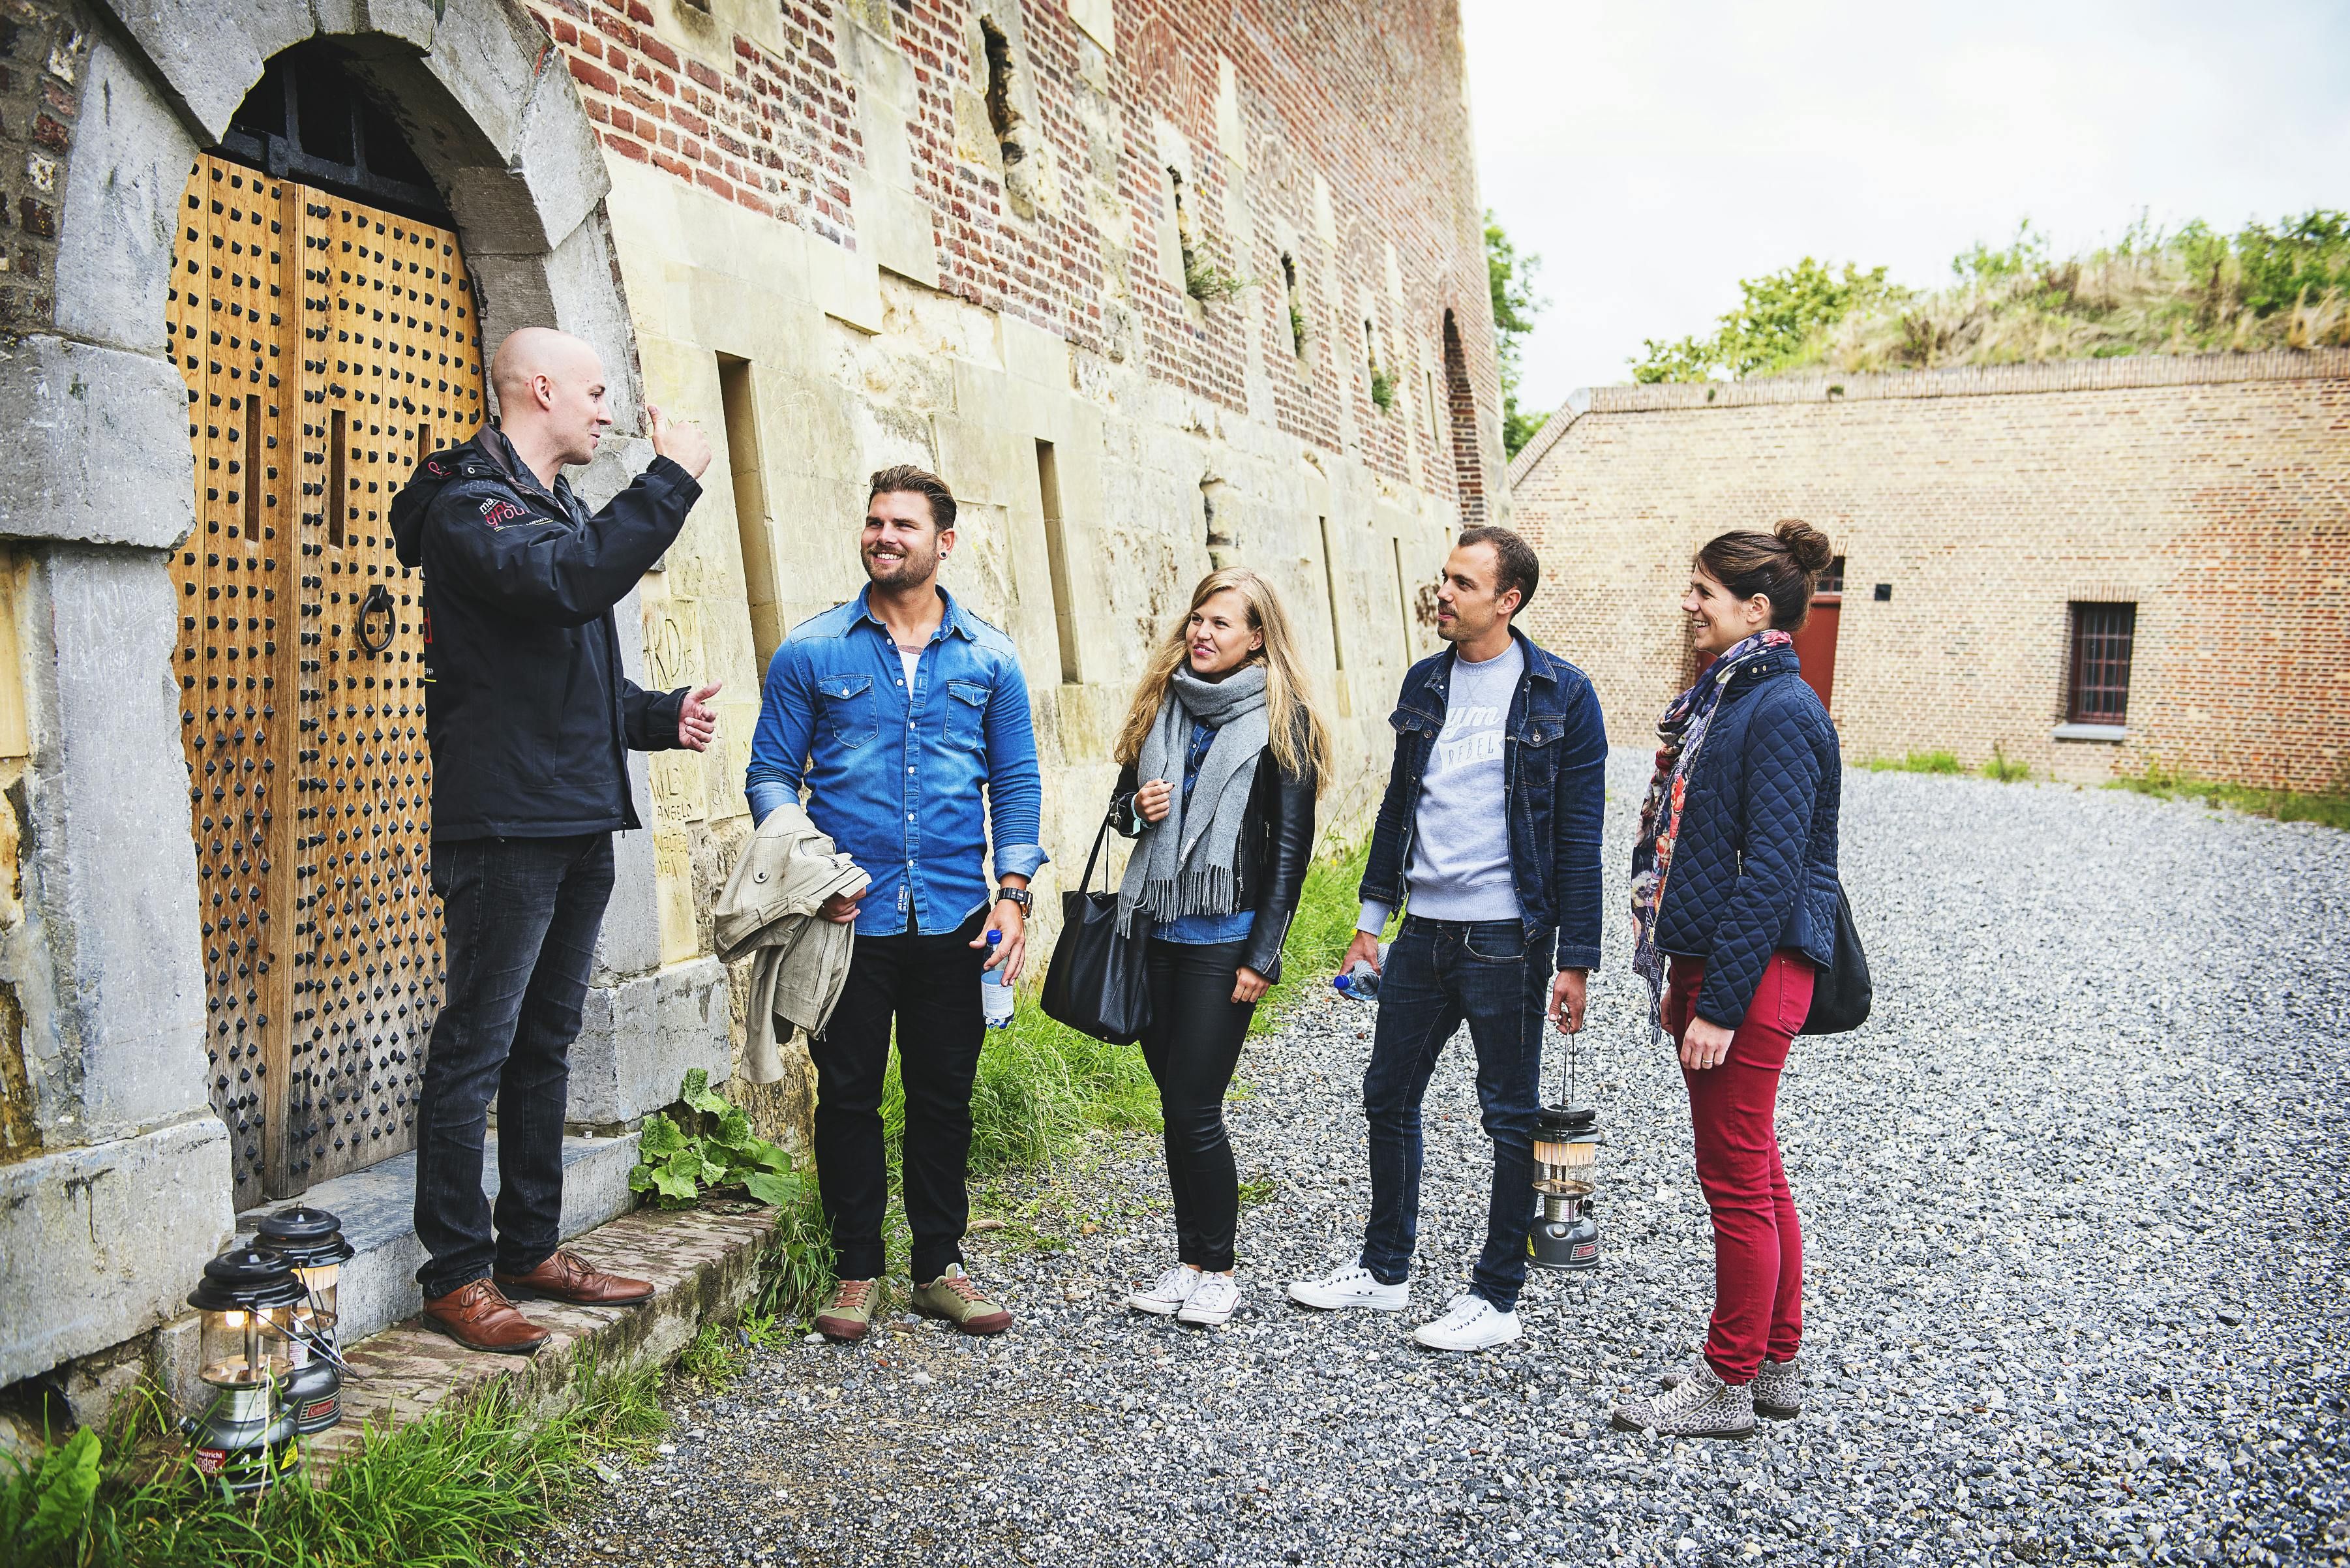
1682	732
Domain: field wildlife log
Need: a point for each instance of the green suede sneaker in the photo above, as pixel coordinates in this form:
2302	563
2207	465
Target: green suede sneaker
847	1317
954	1297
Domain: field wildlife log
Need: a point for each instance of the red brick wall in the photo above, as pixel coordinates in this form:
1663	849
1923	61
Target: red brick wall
42	48
2212	492
1367	97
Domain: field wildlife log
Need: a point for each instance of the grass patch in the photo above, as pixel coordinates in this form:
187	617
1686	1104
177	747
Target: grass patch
1318	933
1043	1091
1918	763
719	1353
2003	768
466	1486
1257	1190
2330	809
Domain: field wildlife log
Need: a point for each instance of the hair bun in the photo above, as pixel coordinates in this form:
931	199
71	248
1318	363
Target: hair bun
1807	544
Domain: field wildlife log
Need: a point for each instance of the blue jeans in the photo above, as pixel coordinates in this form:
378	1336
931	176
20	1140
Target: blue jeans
1440	973
520	917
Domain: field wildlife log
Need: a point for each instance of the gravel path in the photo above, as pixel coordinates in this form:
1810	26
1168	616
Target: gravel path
2071	1205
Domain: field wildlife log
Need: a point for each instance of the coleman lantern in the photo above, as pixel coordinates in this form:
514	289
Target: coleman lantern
1566	1166
311	1240
243	1434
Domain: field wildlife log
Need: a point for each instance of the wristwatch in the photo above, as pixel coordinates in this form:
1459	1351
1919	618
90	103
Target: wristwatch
1020	896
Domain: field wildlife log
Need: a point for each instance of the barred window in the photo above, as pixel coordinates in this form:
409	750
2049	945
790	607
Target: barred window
2102	635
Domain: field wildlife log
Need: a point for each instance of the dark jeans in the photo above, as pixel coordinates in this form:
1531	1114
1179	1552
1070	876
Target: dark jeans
929	987
519	918
1192	1047
1440	973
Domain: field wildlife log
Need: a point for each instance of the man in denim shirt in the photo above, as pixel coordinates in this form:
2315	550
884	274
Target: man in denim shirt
1491	826
892	711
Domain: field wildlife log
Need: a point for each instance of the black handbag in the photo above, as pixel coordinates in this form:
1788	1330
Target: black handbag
1841	993
1099	982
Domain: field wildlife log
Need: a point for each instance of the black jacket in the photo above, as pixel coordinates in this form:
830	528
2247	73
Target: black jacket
529	716
1276	841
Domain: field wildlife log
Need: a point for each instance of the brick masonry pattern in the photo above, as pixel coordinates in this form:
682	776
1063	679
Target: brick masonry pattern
41	52
1365	97
2213	491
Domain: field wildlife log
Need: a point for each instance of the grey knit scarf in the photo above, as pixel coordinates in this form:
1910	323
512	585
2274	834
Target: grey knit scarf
1188	863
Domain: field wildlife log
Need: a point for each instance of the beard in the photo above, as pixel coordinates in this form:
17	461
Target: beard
911	570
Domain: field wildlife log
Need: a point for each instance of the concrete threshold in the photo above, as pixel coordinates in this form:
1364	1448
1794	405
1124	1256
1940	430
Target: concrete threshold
703	1263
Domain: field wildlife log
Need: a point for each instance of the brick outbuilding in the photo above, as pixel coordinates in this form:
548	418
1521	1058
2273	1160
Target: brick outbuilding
2093	566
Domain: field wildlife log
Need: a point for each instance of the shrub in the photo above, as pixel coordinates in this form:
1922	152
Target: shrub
704	1143
2002	768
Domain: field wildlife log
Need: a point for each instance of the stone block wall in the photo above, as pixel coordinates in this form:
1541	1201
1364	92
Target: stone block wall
973	237
2213	491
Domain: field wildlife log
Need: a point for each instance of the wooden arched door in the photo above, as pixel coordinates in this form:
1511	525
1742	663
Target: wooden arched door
326	345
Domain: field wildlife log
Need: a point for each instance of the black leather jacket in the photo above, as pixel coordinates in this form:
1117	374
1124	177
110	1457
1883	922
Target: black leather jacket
1276	841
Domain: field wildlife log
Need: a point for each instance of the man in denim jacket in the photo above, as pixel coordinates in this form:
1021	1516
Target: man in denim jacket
893	711
1490	830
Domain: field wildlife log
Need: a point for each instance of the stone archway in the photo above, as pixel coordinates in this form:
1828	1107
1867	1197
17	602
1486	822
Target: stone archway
105	1226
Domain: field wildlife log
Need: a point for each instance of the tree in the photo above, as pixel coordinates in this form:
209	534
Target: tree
1516	305
1781	315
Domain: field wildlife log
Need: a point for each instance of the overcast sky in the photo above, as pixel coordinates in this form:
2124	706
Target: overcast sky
1654	155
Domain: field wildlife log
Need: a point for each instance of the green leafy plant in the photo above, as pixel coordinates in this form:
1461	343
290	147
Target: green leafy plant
2003	768
1206	281
1297	326
1383	388
704	1143
45	1507
1510	276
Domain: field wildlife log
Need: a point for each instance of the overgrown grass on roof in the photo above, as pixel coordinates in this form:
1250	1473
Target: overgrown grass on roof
2190	290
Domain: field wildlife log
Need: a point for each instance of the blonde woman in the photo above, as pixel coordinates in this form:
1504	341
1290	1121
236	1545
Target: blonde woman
1222	756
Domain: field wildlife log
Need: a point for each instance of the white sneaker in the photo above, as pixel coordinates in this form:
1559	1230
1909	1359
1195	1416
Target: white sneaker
1352	1286
1213	1300
1472	1324
1173	1289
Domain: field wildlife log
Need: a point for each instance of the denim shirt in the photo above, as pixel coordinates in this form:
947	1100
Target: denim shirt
1554	763
894	776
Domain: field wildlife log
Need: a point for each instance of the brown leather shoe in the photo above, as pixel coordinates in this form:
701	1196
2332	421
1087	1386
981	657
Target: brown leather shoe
566	1276
479	1317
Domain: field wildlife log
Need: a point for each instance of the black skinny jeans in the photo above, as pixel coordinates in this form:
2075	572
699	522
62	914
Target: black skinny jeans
929	987
1193	1046
519	918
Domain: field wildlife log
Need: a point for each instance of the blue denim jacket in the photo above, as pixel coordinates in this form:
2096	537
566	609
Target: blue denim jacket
894	776
1555	789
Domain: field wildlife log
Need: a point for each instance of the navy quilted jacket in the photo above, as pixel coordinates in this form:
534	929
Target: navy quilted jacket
1755	869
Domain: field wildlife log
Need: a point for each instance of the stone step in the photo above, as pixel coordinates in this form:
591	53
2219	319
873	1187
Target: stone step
377	1207
703	1263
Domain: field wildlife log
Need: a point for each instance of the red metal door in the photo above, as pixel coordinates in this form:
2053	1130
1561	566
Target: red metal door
1816	646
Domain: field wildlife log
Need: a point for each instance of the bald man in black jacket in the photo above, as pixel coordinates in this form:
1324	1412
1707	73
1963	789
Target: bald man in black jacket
530	720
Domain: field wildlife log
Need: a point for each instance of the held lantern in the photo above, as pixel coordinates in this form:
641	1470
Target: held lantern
243	1434
311	1240
1567	1170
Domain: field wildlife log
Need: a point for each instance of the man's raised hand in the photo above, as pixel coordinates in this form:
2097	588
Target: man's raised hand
682	442
697	721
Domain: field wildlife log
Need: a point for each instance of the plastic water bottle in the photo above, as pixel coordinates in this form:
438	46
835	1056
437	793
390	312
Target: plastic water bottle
1361	982
994	991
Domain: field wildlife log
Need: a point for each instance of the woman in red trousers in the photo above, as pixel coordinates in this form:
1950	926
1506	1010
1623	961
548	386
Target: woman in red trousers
1734	894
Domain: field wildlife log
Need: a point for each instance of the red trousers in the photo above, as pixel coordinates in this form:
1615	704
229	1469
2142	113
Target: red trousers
1758	1245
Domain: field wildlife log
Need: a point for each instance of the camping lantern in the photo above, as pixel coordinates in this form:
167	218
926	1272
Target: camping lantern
244	1433
1567	1170
311	1240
